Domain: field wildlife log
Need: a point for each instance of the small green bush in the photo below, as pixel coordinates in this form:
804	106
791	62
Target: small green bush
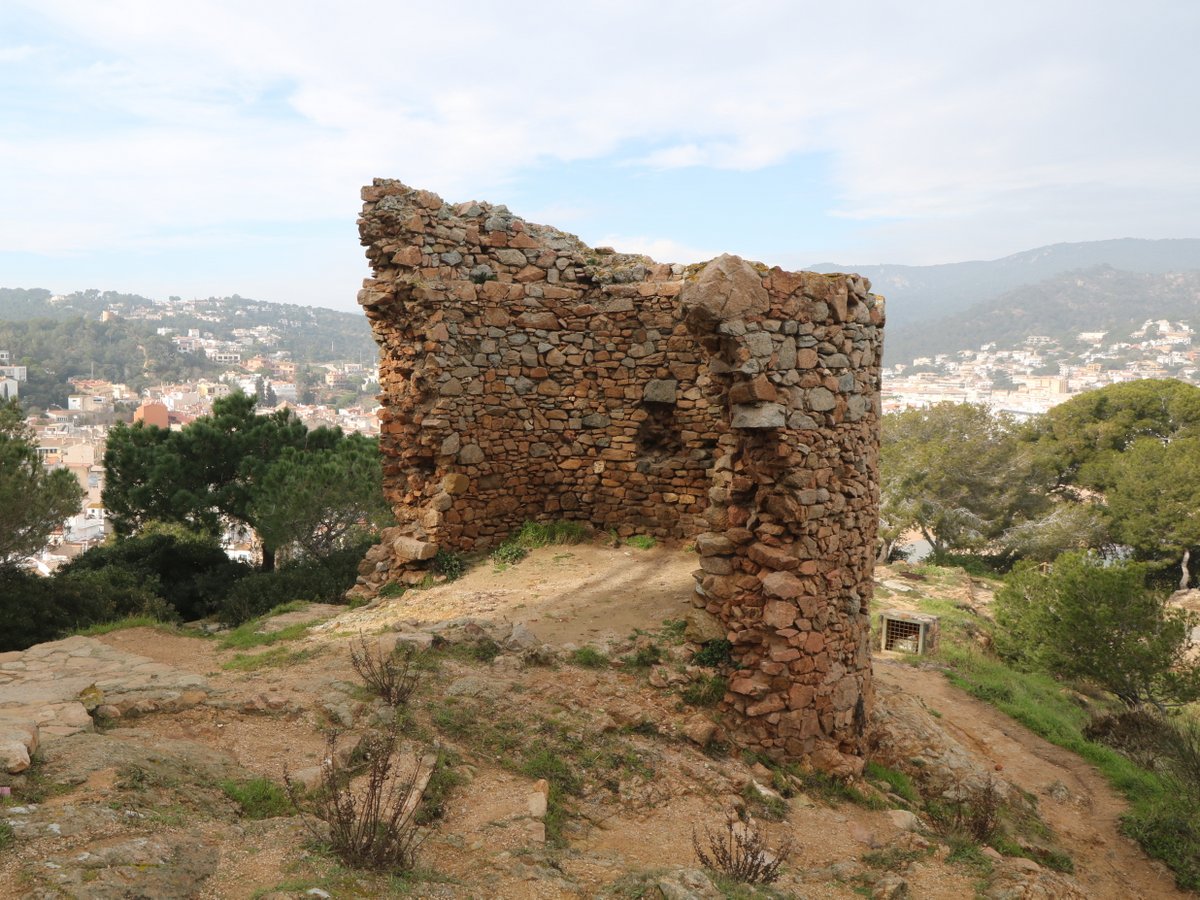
589	658
645	656
768	806
449	564
641	541
509	553
716	653
323	580
187	569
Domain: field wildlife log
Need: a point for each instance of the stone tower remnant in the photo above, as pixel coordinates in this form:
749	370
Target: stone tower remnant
526	375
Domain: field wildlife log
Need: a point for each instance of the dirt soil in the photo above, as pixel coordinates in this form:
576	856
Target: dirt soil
643	789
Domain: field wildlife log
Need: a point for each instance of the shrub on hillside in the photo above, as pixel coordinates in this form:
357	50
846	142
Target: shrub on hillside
36	609
323	580
1084	618
187	569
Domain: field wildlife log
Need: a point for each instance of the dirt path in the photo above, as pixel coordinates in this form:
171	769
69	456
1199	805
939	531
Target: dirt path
580	594
1084	816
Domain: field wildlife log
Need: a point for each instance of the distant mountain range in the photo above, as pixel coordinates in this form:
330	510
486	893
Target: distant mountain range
1056	290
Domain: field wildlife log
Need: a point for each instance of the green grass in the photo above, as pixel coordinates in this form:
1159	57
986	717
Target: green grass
568	758
641	541
673	630
121	624
644	657
442	783
532	535
7	836
481	650
714	654
247	634
330	876
894	859
275	656
589	658
258	798
707	691
895	781
769	807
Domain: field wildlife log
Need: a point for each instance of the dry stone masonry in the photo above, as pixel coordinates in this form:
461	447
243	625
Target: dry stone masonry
528	376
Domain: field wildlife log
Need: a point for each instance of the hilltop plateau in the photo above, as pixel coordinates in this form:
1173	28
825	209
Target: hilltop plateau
565	709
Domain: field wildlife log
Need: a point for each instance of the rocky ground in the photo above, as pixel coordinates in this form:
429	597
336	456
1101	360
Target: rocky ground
562	774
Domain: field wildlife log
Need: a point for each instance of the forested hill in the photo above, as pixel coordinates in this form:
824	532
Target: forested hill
311	334
1097	299
120	351
927	293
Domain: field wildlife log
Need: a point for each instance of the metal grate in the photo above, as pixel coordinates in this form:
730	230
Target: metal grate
903	637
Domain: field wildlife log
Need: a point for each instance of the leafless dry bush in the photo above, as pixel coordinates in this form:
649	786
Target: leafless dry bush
977	811
371	826
740	852
393	676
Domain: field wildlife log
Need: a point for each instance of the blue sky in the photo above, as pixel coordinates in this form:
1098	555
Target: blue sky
205	148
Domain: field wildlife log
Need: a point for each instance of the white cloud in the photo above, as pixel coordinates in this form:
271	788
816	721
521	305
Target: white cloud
662	250
16	54
939	116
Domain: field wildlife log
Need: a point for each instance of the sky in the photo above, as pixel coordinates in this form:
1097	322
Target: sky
208	148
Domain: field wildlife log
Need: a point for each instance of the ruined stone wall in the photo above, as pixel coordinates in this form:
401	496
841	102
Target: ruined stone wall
528	376
794	508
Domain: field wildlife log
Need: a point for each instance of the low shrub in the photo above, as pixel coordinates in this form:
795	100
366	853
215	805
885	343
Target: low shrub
538	534
36	609
373	826
740	852
187	569
645	656
449	564
323	580
589	658
707	691
715	654
393	676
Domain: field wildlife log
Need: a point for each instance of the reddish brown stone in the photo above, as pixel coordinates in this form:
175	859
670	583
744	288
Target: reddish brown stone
549	369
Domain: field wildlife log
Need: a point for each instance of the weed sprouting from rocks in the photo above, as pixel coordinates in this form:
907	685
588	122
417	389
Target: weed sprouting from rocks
978	813
707	691
393	676
449	564
740	852
714	654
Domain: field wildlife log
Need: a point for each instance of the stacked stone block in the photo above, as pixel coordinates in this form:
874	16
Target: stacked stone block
527	376
794	504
